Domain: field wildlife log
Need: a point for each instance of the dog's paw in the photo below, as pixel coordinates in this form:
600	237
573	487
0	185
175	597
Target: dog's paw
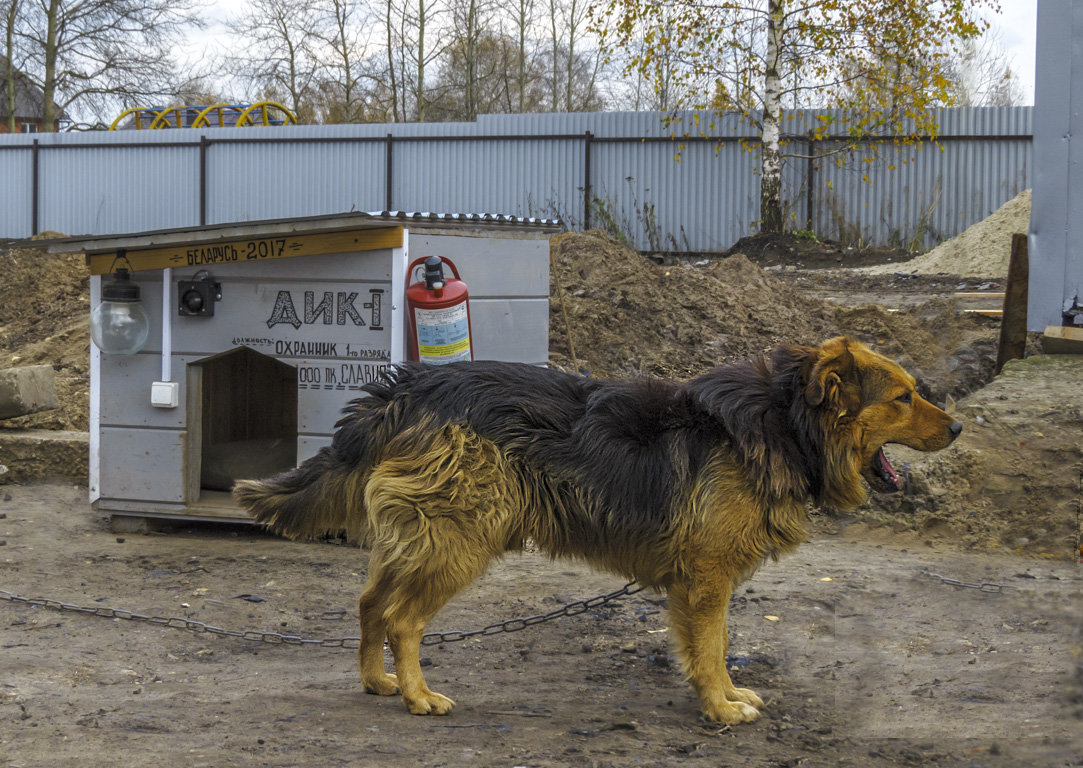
385	685
747	697
730	712
429	703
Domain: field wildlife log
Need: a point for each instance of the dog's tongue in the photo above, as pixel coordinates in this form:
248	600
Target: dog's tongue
887	472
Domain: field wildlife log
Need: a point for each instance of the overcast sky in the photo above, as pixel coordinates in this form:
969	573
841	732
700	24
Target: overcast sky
1017	24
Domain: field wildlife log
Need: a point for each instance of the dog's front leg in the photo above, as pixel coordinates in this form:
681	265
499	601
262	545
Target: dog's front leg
419	699
370	653
698	617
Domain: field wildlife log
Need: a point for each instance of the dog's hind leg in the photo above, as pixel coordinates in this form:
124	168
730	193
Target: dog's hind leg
698	616
440	508
370	653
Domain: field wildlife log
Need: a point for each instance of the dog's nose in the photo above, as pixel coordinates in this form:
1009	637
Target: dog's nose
955	428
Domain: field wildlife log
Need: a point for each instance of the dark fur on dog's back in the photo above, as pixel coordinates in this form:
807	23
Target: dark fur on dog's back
630	448
682	486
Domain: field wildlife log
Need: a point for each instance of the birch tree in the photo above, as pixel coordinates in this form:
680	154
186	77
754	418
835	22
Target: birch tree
755	55
470	26
415	38
427	48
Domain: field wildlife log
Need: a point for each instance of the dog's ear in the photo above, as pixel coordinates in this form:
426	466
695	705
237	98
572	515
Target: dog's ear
832	379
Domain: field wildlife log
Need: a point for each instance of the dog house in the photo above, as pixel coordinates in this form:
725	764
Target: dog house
259	333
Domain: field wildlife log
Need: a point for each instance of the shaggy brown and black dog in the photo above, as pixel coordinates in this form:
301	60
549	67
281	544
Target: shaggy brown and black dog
686	487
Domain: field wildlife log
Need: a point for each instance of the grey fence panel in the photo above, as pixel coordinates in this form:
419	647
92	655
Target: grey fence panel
266	180
105	189
631	125
1056	258
918	195
527	165
670	197
524	177
16	191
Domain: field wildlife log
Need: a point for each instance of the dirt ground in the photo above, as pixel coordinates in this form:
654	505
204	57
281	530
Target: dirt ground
865	655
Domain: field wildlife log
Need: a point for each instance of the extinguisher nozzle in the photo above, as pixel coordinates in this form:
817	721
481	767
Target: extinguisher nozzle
434	273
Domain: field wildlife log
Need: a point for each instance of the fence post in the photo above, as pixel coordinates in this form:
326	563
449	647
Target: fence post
1012	343
204	143
387	165
34	189
587	138
810	179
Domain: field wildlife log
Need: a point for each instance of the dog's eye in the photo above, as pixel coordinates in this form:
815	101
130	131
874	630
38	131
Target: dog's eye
905	398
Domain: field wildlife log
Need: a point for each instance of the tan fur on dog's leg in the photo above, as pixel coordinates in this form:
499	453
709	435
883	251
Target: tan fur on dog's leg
412	607
698	618
370	653
733	693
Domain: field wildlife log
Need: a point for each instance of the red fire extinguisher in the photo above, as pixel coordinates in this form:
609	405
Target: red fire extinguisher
438	314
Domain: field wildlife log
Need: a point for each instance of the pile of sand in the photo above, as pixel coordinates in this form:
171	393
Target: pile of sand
623	315
983	250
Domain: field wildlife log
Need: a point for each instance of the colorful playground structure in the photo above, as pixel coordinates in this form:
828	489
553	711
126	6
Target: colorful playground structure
206	116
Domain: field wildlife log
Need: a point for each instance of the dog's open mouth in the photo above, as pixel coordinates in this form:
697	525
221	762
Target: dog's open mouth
880	475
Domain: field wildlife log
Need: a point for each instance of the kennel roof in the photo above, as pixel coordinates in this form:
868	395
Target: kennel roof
325	224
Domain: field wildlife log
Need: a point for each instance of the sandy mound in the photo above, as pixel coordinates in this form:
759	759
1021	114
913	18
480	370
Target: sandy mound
624	315
982	250
44	315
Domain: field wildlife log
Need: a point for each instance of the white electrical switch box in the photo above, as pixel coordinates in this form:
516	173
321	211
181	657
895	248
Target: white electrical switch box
165	394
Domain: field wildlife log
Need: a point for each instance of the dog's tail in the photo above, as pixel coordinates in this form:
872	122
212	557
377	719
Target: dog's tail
318	497
326	494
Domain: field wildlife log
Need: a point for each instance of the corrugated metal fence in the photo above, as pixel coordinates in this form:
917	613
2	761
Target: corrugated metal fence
668	191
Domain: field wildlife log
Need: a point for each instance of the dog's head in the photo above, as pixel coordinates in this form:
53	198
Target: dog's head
865	401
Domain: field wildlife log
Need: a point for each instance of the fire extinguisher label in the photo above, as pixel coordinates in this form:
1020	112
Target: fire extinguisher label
443	335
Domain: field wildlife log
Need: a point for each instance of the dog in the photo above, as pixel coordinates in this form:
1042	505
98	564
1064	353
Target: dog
684	487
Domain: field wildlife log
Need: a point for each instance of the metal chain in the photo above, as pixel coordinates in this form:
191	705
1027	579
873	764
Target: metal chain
519	624
277	638
984	586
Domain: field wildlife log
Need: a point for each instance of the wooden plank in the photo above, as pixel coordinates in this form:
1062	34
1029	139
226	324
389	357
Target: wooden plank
979	295
193	452
500	329
133	522
985	312
252	250
1062	340
1013	327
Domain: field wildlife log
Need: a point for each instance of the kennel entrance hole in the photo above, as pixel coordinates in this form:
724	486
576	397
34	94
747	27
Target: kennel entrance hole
245	422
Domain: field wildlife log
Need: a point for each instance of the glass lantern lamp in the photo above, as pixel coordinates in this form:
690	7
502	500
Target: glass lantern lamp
119	325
